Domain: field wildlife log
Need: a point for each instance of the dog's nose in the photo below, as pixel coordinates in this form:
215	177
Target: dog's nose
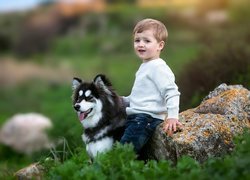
77	107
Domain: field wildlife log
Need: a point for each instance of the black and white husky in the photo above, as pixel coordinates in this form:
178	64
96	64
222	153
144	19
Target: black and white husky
101	113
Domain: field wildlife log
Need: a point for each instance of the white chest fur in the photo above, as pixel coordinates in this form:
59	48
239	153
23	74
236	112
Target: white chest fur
102	145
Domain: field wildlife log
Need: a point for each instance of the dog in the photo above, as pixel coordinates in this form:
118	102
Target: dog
101	112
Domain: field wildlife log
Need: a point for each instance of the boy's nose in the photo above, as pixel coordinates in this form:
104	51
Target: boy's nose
141	44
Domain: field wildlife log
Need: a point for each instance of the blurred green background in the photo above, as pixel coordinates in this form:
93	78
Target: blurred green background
43	48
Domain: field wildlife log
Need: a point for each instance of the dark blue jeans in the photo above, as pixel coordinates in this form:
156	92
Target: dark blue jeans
139	128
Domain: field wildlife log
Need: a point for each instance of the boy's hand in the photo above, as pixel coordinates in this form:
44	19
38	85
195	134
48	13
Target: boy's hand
170	125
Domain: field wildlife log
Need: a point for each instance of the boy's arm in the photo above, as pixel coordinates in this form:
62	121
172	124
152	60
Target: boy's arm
125	100
165	82
171	122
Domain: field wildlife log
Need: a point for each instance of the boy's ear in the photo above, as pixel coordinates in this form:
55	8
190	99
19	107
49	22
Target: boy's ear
75	83
161	45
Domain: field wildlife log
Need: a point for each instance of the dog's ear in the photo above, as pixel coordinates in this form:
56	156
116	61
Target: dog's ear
75	83
102	82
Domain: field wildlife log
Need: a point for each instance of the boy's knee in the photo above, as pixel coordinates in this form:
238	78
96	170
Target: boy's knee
136	142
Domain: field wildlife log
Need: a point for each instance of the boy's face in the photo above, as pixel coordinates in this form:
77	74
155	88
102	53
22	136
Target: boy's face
146	46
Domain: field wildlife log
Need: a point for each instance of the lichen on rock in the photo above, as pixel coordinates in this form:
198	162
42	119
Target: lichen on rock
208	129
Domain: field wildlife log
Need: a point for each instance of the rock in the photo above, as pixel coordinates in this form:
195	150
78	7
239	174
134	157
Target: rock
208	129
25	133
33	171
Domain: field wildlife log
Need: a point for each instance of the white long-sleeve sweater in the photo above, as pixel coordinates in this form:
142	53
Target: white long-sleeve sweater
154	91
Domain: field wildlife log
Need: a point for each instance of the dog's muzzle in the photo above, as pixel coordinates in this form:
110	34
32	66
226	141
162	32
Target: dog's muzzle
77	107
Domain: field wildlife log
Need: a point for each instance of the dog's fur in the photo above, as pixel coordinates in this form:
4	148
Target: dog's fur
101	113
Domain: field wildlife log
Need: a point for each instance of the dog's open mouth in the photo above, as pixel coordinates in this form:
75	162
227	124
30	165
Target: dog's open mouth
84	115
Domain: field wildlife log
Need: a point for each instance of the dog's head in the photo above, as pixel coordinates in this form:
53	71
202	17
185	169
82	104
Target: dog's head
87	99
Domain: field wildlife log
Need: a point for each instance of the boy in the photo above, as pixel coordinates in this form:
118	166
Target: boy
154	97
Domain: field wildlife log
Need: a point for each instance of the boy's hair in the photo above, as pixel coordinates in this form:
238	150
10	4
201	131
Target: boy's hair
160	30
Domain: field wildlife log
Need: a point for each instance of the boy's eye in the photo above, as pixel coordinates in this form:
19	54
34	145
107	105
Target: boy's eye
137	40
147	41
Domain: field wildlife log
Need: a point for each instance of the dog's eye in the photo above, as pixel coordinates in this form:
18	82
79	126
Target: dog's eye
78	99
90	98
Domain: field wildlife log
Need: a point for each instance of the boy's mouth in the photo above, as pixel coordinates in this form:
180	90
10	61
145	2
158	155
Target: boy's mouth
141	50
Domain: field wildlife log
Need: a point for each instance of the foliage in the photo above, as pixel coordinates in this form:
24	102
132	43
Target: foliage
121	163
222	63
10	24
233	166
239	11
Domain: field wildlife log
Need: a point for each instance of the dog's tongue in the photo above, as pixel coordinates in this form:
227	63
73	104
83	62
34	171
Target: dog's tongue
81	116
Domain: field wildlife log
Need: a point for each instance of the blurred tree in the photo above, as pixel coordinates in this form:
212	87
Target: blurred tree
227	64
